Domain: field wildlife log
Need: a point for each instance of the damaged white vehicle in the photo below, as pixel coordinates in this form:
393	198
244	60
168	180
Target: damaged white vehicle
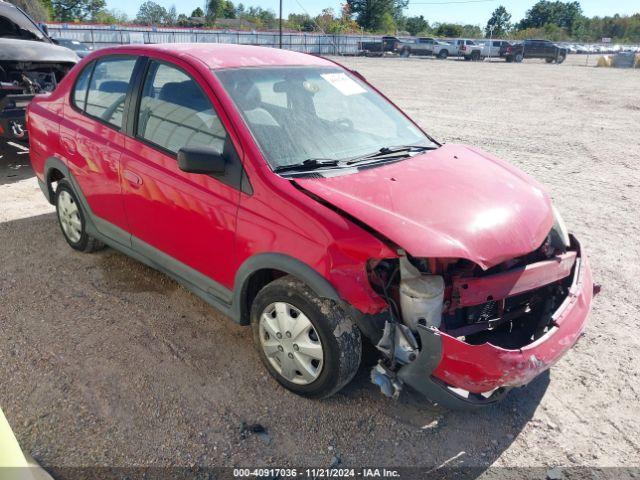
30	63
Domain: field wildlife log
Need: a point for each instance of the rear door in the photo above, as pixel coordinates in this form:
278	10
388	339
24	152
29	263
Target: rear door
184	221
92	139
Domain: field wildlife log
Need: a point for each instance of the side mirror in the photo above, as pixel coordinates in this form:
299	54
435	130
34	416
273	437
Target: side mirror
201	160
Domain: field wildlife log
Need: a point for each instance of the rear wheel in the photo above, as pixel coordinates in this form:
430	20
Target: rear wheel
560	59
72	220
475	56
519	57
307	343
549	60
405	52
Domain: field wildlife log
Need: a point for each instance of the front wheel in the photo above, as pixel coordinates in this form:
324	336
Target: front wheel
443	54
560	59
519	57
307	343
405	52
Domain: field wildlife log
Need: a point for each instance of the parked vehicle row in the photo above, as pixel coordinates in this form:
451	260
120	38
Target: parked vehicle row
470	49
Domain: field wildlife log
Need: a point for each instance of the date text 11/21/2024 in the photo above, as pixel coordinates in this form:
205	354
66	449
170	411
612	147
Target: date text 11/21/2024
315	473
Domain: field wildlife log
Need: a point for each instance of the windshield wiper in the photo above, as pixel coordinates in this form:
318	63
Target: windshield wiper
308	165
391	152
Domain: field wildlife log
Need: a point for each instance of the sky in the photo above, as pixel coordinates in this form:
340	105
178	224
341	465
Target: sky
475	12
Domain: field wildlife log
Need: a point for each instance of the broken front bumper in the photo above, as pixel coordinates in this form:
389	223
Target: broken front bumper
452	372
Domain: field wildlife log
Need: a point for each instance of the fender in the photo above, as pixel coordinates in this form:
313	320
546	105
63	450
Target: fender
275	261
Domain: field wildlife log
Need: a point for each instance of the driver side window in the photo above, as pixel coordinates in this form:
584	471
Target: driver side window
108	88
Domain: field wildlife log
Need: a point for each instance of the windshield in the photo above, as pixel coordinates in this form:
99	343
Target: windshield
301	113
16	24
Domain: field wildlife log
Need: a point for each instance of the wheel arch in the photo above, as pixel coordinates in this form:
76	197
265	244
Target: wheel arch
54	170
259	270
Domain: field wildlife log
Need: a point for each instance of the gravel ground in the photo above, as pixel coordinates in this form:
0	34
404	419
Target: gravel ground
104	361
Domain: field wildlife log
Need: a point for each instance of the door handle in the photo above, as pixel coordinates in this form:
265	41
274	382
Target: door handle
133	178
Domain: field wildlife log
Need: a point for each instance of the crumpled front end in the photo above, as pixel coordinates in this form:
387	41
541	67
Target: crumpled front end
481	369
500	330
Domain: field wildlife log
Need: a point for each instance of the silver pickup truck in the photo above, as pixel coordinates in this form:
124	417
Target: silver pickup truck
442	49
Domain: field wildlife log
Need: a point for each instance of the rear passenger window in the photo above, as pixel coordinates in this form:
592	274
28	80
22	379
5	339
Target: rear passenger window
175	112
108	88
80	89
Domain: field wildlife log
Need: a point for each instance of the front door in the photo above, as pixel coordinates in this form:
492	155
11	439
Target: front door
186	221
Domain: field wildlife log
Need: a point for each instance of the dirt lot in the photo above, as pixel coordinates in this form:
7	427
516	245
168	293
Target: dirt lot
106	362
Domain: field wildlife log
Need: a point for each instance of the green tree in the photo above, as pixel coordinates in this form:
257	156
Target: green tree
213	10
387	24
562	14
37	10
150	13
111	17
228	10
171	18
499	23
197	13
262	18
471	31
301	22
451	30
76	10
376	15
416	25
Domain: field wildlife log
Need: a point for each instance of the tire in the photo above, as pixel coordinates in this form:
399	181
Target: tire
475	56
509	59
72	221
287	304
443	54
405	52
519	57
549	60
560	59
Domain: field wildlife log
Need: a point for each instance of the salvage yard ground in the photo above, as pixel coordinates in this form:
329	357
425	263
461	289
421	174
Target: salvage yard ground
104	361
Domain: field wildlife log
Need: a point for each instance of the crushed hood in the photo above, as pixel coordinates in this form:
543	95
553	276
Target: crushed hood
454	202
34	51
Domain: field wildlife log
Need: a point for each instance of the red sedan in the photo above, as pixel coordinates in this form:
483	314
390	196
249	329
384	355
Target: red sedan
290	194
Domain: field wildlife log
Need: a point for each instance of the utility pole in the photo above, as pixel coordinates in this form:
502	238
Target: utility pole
280	25
491	40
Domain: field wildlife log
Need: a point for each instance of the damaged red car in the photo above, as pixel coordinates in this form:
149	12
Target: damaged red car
290	194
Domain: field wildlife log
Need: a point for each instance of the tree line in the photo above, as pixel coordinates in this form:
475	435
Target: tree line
554	20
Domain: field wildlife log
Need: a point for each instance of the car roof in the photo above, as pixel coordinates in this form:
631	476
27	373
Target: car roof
222	55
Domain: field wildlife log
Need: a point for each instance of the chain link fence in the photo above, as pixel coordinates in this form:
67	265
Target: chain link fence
104	36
